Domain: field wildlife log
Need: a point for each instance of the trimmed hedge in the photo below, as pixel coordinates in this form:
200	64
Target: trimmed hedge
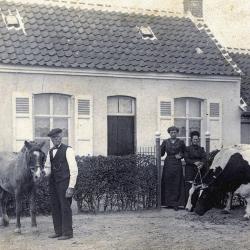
116	183
112	183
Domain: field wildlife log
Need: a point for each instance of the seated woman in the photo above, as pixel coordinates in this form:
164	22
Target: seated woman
172	176
195	158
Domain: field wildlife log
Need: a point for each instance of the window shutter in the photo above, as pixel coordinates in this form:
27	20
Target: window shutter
84	125
22	119
214	111
165	115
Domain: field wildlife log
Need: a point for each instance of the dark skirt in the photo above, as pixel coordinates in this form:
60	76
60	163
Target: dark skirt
173	191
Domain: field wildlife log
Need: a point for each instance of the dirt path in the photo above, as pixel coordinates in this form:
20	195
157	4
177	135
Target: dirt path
145	230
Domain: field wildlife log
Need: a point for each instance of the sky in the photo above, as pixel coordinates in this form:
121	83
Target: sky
229	20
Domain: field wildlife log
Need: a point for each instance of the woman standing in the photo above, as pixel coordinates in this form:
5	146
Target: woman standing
195	158
172	177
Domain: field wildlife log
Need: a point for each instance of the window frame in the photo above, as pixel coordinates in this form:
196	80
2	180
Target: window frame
188	118
51	116
118	113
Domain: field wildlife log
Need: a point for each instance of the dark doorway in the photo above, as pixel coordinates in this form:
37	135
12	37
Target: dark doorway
120	135
245	132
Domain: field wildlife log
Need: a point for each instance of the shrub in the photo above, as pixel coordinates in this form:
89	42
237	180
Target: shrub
113	183
116	183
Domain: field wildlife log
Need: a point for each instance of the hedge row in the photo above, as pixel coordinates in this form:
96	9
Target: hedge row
116	183
110	183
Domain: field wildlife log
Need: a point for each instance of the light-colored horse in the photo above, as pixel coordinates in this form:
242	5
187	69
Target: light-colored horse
19	173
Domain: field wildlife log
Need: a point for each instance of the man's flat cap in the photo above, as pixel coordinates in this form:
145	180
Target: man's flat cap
54	132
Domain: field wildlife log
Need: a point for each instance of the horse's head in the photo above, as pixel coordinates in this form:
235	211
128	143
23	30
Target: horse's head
35	159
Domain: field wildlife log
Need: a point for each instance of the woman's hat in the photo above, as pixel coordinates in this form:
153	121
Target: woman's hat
193	133
173	128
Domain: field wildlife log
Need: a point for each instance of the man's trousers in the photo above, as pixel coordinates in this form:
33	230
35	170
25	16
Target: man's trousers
61	207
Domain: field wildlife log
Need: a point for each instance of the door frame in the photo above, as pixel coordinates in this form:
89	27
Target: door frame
133	113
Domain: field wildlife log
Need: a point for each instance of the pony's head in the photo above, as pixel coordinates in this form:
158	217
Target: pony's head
35	159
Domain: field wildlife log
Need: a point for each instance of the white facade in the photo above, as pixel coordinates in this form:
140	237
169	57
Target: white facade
154	96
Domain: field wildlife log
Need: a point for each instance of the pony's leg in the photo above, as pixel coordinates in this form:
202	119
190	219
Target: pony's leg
33	209
1	206
4	204
18	211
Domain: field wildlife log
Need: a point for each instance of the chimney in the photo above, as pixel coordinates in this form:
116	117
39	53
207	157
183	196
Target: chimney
194	7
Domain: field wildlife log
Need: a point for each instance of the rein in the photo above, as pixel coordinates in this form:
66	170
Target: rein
198	174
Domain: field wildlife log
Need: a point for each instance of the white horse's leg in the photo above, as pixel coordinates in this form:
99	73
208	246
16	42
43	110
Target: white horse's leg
189	203
228	207
247	214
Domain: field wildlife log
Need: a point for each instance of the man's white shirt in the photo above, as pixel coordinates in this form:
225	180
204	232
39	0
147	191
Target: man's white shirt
73	169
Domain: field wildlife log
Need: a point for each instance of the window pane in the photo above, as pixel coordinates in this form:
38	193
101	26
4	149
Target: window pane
41	127
180	107
112	105
194	125
125	105
194	108
65	141
61	123
41	104
181	124
60	104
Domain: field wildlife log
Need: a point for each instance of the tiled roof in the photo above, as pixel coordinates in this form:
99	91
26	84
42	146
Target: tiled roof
89	39
243	61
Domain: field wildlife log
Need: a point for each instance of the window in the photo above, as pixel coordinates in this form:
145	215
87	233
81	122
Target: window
120	105
13	20
187	116
147	33
51	111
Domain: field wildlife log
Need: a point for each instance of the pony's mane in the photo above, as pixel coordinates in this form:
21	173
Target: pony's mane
34	146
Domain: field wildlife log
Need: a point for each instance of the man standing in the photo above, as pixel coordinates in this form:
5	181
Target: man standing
62	167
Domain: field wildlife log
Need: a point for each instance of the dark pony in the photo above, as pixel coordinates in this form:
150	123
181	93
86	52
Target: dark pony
19	174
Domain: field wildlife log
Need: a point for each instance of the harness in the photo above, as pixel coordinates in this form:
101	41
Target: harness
198	174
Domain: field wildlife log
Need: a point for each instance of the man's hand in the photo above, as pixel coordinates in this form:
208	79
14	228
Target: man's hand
69	192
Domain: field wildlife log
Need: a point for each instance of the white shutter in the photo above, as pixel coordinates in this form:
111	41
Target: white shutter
165	115
214	111
84	125
22	119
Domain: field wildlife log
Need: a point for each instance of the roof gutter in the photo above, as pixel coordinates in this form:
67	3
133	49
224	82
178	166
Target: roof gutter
116	74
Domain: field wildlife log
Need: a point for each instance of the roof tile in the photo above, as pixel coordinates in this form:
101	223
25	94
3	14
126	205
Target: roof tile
61	37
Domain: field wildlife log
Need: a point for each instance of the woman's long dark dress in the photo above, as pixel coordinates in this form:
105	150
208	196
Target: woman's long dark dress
193	154
173	192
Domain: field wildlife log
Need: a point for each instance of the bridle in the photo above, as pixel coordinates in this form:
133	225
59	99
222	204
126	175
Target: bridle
40	164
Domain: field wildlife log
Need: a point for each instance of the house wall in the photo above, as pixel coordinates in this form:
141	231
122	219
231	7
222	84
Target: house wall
146	92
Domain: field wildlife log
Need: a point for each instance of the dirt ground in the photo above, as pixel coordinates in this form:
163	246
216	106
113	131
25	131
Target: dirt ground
165	229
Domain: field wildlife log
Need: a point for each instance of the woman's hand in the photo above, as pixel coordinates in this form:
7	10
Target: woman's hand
178	156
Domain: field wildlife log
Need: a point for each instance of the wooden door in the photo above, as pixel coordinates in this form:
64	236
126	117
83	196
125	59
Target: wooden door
245	133
120	135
